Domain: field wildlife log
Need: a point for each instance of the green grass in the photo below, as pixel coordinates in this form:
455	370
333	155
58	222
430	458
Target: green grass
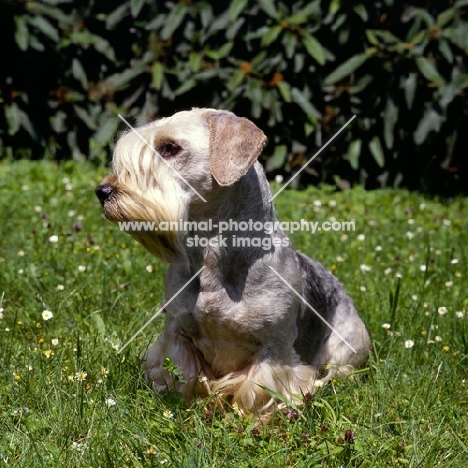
409	408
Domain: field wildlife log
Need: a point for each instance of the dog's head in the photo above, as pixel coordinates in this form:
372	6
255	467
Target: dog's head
164	168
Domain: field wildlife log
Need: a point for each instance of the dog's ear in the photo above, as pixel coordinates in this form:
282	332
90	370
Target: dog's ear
235	144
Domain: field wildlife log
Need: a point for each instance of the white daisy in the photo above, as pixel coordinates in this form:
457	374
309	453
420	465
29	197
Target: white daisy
81	376
47	314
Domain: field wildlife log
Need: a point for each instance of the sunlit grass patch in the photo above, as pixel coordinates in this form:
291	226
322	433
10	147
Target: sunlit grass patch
74	289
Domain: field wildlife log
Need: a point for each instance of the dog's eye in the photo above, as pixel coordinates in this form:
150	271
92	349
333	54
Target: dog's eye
169	149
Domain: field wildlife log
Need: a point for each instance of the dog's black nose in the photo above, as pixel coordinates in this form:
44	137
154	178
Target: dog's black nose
103	192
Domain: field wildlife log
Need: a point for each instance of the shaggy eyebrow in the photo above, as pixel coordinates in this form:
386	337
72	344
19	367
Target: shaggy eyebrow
164	140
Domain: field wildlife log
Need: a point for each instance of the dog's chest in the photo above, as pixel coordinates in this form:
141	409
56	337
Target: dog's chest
216	314
223	331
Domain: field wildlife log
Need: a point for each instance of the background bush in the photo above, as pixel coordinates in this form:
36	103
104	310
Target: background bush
300	70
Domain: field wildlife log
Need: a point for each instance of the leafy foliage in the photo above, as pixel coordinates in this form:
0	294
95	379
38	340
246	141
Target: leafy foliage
299	70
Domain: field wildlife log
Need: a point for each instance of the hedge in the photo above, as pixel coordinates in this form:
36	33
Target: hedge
299	69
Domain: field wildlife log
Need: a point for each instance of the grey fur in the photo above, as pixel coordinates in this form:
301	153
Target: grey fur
236	328
242	279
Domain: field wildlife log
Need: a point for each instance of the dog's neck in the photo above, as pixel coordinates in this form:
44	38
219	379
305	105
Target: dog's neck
253	195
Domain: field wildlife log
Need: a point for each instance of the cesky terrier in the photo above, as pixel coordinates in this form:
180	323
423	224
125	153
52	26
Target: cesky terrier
260	319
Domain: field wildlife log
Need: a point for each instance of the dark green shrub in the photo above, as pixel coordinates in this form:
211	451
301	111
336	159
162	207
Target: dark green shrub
299	70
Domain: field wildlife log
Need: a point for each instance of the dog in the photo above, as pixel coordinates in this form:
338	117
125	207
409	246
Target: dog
258	324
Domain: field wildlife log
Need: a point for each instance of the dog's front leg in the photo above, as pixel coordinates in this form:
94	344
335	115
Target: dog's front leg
173	347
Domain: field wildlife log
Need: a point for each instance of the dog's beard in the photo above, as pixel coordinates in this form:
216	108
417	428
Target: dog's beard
141	217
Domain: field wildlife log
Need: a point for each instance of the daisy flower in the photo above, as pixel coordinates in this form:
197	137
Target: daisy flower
81	376
47	314
236	409
442	310
409	344
168	414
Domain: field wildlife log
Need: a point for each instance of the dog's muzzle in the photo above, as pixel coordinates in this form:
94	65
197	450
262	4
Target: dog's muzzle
103	192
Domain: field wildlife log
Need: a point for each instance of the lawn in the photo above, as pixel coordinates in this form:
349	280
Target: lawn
73	290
